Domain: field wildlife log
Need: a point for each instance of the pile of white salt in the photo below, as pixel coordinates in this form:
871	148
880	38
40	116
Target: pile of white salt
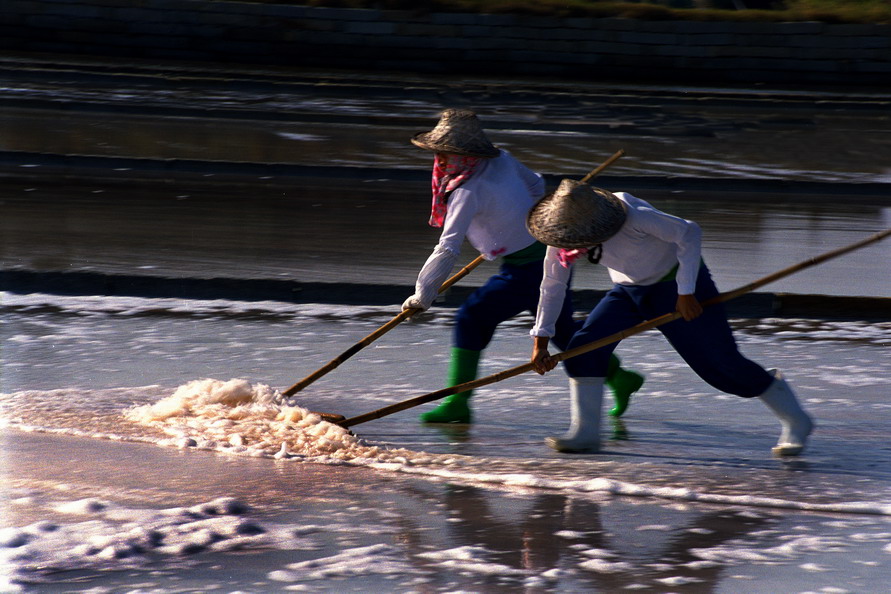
249	419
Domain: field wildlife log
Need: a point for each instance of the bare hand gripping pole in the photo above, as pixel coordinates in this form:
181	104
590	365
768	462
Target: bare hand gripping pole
642	327
407	313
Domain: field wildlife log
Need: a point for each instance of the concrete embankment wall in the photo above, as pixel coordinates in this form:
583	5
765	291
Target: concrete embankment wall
413	41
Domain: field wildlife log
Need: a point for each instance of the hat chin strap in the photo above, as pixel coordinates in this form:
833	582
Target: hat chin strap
595	253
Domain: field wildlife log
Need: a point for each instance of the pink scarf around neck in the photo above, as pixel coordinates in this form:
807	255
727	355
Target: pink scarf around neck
567	257
448	174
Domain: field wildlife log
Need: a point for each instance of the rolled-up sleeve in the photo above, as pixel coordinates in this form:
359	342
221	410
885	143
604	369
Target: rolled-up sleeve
554	285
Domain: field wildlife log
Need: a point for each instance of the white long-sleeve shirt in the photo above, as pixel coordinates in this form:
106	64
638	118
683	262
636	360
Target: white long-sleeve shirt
489	210
646	248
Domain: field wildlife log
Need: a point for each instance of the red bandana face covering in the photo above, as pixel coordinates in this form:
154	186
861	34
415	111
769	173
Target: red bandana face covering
449	172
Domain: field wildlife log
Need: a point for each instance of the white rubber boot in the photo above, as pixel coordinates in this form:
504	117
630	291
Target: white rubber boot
586	396
797	424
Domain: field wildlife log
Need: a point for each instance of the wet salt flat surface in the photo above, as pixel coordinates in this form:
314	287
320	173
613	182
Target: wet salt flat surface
146	446
377	233
108	220
363	119
124	471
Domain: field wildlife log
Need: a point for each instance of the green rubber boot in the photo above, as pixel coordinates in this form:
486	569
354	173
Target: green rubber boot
623	383
463	366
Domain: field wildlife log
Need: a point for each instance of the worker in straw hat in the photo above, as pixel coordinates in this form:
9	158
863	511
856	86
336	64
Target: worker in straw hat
655	261
483	193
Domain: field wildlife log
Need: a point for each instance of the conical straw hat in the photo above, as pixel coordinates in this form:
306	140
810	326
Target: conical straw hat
576	215
458	132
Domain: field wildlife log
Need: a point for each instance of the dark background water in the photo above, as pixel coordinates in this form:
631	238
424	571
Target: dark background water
179	171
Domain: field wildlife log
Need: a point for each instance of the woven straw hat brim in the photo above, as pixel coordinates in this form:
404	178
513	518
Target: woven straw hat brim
459	132
576	216
423	140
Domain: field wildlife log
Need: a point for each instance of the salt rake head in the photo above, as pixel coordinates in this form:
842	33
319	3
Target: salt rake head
330	417
333	418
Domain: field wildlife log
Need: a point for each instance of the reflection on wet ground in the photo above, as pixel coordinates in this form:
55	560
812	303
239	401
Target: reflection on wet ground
366	531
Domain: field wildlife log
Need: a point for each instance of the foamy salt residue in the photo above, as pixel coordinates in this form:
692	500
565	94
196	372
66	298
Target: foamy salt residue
241	418
250	419
471	559
103	535
609	486
378	559
793	548
237	417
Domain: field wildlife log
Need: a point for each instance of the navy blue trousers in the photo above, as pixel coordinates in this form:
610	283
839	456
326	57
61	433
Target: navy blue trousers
512	291
706	343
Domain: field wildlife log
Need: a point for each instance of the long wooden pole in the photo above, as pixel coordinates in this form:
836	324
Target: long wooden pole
596	171
642	327
398	319
407	313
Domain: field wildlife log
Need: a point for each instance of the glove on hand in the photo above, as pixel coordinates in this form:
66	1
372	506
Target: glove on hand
414	302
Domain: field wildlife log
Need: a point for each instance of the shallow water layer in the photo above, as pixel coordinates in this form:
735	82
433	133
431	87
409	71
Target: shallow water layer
170	111
374	533
377	233
669	503
172	525
111	220
124	352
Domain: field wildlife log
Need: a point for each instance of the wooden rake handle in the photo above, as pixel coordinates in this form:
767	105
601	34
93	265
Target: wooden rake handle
398	319
603	166
637	329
